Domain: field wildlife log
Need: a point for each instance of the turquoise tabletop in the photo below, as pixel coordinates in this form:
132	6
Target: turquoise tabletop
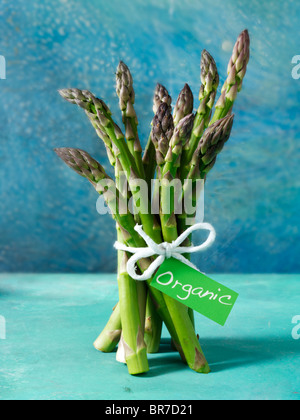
49	322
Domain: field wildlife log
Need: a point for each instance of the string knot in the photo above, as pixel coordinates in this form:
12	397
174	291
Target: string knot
168	249
164	250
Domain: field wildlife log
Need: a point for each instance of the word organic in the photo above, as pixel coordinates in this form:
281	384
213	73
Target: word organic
195	290
188	290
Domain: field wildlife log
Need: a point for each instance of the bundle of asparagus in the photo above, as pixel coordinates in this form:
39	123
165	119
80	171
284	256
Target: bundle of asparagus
182	145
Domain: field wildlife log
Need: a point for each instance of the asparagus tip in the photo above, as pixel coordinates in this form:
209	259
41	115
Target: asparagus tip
63	93
184	105
161	95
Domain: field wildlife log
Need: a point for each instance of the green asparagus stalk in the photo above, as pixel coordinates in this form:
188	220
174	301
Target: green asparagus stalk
209	147
132	330
122	348
153	323
208	89
184	105
179	138
210	82
183	319
236	72
82	163
161	95
162	132
126	94
102	117
153	326
207	95
171	162
169	173
163	129
129	287
110	335
104	137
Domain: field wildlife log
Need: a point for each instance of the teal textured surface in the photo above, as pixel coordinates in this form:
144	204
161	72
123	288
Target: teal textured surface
52	321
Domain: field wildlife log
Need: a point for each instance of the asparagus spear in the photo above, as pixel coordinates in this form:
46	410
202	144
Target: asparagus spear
129	288
184	105
103	136
132	327
236	71
168	174
179	313
100	113
179	138
78	97
161	95
207	95
208	89
110	335
167	143
209	147
162	131
153	326
126	94
82	163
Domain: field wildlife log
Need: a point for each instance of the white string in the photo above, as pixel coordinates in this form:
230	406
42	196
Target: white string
164	250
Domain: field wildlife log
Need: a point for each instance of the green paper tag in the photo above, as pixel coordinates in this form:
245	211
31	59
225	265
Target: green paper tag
195	290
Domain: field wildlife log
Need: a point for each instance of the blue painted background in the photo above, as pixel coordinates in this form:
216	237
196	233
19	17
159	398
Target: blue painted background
48	218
